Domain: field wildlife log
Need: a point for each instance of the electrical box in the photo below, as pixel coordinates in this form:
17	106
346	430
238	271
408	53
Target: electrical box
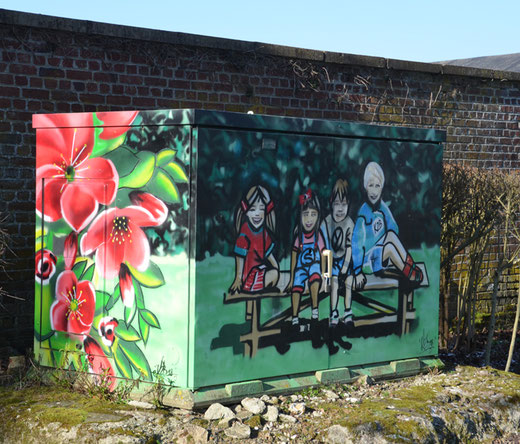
204	250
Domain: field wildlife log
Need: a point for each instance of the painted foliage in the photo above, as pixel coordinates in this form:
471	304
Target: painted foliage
111	200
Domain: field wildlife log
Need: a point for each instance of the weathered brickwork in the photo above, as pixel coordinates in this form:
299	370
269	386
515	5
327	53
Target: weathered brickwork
52	65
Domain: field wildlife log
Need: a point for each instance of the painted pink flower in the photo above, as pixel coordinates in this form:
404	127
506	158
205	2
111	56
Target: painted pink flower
117	237
115	123
68	183
99	364
45	263
106	329
73	310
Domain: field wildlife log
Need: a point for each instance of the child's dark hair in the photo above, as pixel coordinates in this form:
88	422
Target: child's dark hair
340	191
308	201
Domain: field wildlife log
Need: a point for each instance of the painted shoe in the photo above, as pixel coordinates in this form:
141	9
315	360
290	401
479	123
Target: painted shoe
334	318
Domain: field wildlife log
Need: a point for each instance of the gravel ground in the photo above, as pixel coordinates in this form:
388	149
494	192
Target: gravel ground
461	404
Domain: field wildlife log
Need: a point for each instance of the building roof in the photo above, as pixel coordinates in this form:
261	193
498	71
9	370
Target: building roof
506	62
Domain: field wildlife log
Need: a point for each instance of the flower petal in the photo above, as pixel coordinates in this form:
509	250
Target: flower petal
78	206
64	285
81	321
95	236
102	179
139	215
109	258
126	286
137	251
70	141
155	206
115	123
58	316
50	183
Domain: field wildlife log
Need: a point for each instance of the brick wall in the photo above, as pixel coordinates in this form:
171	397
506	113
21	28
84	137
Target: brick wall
58	65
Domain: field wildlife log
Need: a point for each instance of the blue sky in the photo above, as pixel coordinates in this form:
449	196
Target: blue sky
420	30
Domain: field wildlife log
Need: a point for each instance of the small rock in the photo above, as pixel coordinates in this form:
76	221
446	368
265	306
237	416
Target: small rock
275	400
272	414
330	394
238	431
338	435
218	411
225	423
254	405
287	418
238	408
352	400
243	414
297	408
364	380
198	433
191	433
141	405
265	398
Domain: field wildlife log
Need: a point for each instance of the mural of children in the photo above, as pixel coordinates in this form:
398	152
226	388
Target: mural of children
306	264
256	267
337	229
375	241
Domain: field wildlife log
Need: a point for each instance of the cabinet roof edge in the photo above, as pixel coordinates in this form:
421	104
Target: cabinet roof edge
260	122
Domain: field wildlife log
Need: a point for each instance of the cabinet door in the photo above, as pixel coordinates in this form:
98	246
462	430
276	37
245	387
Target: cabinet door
397	233
112	218
250	191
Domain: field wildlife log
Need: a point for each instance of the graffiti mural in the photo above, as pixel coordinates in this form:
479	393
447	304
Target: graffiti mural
200	248
106	189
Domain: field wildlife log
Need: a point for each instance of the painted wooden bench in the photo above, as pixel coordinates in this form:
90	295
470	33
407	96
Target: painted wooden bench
402	316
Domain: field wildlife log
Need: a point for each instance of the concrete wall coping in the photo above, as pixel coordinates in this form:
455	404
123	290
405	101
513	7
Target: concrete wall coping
16	18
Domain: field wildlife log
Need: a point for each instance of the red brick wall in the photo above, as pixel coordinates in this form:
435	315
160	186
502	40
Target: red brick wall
55	65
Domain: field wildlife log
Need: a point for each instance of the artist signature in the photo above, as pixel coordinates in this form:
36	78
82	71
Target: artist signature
426	342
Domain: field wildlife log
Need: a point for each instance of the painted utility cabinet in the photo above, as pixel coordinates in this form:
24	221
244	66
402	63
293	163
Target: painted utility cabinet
201	249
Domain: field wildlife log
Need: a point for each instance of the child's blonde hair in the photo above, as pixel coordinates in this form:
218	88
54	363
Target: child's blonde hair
255	193
373	170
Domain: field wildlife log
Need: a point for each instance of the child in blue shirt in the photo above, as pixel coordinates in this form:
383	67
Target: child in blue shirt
375	242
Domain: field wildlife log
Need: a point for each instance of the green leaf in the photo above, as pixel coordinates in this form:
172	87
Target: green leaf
122	362
88	274
141	173
127	333
136	358
130	314
161	185
101	298
113	299
139	298
150	318
144	328
79	267
165	156
152	277
176	172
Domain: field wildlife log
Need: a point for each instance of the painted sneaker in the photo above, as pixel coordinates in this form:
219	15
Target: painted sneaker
295	321
334	318
348	319
315	314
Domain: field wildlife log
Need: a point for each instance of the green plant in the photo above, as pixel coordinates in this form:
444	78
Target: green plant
164	379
